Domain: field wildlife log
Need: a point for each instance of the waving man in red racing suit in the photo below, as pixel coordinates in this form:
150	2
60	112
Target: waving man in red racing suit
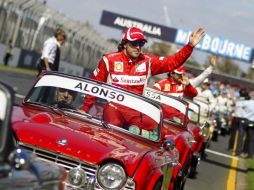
130	69
177	84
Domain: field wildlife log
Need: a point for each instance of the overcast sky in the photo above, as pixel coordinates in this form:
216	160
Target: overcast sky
232	19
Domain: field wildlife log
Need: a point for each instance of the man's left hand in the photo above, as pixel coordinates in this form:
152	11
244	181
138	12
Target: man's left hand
196	36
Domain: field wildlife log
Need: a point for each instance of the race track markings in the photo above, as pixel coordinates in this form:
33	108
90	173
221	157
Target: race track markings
231	182
221	154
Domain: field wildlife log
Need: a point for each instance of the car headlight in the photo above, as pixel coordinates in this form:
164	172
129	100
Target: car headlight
76	177
111	176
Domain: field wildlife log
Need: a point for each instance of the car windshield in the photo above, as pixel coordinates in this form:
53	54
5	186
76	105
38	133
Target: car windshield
193	111
173	108
97	102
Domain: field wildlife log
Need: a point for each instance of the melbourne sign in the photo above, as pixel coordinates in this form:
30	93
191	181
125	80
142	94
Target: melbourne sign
218	45
211	44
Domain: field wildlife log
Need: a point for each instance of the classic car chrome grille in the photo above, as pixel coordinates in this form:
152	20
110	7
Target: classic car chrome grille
61	160
68	163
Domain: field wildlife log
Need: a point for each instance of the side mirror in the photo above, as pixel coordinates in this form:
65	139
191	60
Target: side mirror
6	102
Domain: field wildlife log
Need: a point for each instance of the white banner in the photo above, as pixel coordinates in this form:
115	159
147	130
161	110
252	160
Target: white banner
102	92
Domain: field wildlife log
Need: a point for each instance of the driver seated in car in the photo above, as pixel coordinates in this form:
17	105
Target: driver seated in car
65	98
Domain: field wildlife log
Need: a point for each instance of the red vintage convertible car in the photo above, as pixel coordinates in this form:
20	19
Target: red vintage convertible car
97	153
175	114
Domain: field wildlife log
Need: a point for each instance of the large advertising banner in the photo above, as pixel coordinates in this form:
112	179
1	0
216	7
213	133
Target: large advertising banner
212	44
150	29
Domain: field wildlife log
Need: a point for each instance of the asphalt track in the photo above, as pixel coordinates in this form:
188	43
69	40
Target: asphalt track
213	173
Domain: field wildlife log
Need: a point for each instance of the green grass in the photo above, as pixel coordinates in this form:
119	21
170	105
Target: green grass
19	70
250	174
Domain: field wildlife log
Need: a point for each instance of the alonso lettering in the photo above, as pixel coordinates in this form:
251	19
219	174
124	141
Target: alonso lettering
100	92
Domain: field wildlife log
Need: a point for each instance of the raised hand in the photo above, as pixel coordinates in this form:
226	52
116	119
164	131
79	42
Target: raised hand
185	80
196	36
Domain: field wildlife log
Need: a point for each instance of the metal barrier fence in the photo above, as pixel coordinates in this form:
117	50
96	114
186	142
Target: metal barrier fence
28	23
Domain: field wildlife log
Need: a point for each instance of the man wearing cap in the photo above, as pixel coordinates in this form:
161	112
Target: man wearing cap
130	69
176	84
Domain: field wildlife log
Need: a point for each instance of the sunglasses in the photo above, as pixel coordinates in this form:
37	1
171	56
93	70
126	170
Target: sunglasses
137	43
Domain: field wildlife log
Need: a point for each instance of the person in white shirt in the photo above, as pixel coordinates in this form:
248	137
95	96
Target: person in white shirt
238	123
247	106
222	111
50	57
206	101
205	96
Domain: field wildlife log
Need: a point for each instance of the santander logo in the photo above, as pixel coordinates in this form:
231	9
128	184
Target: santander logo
115	79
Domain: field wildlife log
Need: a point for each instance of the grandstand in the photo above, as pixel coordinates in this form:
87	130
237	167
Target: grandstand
28	23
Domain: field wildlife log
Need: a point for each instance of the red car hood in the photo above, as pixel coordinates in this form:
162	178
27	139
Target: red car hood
85	141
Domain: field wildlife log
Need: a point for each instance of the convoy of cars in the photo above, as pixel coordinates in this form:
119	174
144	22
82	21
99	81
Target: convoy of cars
96	153
156	146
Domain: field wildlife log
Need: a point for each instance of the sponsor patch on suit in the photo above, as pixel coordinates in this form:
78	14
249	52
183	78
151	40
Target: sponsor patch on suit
118	66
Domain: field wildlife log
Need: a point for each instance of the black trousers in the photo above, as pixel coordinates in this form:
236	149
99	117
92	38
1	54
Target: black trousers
250	139
41	66
236	125
242	131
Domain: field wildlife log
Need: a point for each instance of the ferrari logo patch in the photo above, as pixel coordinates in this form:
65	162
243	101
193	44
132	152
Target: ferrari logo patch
118	66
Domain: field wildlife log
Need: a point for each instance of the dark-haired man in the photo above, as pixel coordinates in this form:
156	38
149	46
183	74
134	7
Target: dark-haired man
130	69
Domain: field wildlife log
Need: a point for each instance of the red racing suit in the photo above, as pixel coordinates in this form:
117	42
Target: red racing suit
171	87
120	70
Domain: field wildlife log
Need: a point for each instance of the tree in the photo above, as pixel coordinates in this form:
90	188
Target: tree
250	74
193	63
227	66
161	49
